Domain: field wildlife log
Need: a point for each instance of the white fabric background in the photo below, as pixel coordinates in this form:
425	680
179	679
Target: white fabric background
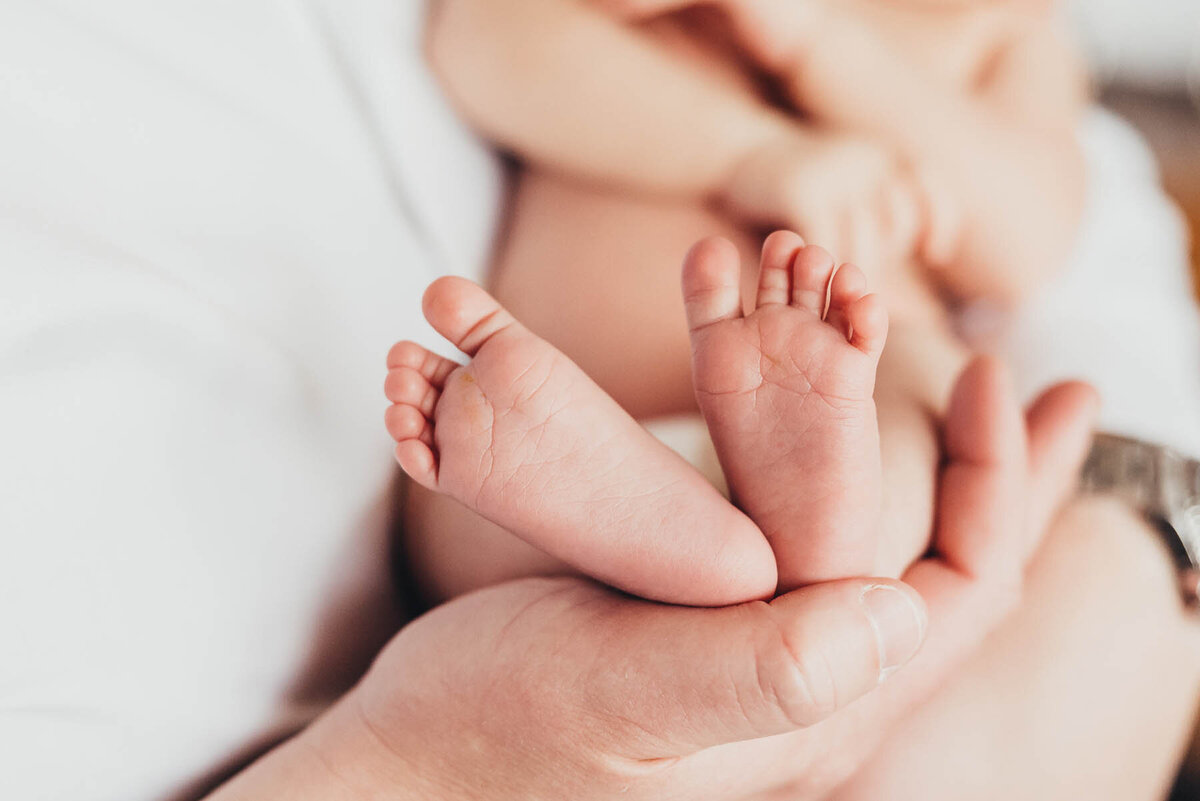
215	217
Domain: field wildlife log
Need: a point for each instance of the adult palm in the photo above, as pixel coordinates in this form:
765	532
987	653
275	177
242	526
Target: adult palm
560	688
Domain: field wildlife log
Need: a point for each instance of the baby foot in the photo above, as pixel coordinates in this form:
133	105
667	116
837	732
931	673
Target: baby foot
524	438
786	391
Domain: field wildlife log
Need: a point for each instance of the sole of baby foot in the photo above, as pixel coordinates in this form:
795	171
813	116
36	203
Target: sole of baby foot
786	391
523	437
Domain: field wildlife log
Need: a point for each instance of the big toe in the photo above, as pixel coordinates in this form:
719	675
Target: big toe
464	313
711	282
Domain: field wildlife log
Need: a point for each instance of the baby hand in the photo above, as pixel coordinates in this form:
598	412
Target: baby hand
850	194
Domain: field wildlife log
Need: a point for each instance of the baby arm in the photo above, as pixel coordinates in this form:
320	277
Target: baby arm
570	87
1003	163
564	86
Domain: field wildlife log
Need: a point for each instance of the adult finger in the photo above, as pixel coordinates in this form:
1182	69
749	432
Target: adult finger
1060	424
971	581
542	665
981	495
1000	466
697	678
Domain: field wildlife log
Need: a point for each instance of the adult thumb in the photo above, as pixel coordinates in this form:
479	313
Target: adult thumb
697	678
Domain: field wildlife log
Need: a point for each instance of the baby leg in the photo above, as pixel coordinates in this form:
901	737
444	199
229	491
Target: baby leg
521	436
786	391
614	307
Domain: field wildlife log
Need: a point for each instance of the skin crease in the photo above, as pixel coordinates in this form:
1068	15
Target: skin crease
660	702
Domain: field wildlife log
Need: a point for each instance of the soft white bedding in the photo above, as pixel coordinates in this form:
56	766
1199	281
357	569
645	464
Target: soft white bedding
214	219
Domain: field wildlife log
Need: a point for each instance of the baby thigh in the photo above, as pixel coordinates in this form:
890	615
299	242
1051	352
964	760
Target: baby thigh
596	273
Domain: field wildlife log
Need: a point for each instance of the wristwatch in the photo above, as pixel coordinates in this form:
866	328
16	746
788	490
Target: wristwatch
1163	485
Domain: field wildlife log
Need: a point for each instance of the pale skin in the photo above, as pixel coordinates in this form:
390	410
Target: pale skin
754	161
1118	612
638	239
991	127
993	136
474	321
622	696
603	127
521	436
378	742
980	98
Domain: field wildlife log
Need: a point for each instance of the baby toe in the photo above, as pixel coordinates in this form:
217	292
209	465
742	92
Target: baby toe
433	367
711	283
406	422
811	270
847	285
407	386
774	274
868	322
418	460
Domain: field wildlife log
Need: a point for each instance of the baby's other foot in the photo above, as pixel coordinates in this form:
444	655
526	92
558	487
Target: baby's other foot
786	391
524	438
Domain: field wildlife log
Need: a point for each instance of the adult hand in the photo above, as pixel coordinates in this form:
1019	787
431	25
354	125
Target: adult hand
559	688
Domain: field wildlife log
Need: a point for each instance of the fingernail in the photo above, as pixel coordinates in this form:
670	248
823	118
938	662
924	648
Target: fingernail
898	618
